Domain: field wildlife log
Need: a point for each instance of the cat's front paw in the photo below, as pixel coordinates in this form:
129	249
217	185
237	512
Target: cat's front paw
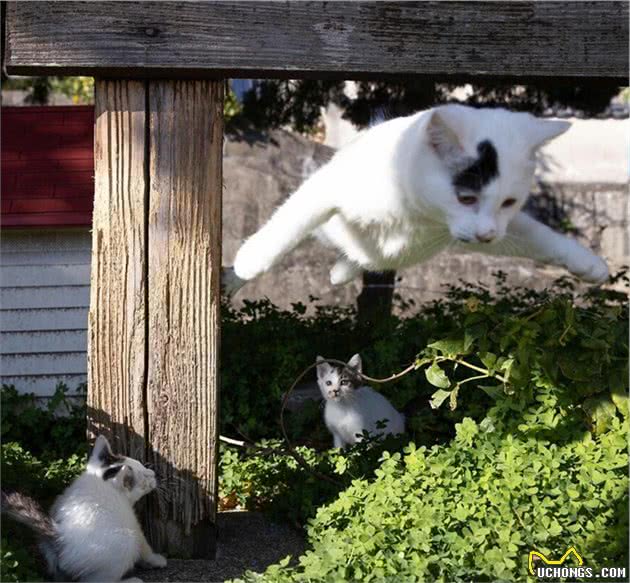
155	560
230	282
251	260
588	266
343	272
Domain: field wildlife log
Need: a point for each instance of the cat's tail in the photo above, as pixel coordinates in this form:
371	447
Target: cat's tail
27	511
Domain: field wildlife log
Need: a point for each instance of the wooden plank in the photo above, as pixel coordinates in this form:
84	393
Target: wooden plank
186	129
43	363
117	319
53	257
57	340
45	241
46	220
319	39
43	319
15	276
43	385
45	297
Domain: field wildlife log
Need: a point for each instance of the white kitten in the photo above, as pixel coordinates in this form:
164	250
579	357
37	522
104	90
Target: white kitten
351	407
451	176
92	533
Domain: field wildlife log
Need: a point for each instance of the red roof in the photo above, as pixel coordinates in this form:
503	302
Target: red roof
47	166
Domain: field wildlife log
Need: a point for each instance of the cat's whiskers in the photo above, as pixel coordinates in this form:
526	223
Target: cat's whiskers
435	244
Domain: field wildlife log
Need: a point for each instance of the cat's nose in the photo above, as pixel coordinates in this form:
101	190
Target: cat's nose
486	236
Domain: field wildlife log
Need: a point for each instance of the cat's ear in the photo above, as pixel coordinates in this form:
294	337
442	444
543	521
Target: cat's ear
322	366
102	456
127	478
355	363
541	131
124	478
443	139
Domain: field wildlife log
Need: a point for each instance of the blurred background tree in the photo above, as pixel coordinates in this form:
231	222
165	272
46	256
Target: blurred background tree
296	103
39	90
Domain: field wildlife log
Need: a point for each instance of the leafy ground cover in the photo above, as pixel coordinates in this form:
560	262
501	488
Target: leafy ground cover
517	426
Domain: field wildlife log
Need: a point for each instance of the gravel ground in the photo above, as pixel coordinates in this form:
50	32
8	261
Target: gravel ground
247	541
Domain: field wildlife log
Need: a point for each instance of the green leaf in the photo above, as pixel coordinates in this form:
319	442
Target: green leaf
450	347
489	359
439	397
621	402
437	377
601	411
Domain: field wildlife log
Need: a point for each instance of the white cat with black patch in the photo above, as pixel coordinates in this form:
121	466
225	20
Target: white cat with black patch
452	176
352	407
92	533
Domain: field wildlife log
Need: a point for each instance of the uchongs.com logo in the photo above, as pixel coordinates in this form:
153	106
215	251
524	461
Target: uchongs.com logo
543	568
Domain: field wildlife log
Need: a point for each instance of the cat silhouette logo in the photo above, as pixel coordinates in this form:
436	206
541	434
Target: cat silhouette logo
535	556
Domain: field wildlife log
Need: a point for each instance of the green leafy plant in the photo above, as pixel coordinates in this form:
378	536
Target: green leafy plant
516	416
473	509
16	563
55	427
543	467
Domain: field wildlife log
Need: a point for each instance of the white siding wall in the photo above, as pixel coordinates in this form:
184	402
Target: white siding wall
44	300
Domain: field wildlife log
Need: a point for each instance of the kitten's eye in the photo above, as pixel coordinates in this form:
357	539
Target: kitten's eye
328	383
344	382
508	202
467	199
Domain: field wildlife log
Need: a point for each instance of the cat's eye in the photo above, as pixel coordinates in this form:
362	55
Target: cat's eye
508	202
467	199
344	382
328	383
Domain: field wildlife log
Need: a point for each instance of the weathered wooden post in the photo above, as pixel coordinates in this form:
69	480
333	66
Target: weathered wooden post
184	267
154	310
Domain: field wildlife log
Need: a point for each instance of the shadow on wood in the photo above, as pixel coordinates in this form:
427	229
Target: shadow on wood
200	539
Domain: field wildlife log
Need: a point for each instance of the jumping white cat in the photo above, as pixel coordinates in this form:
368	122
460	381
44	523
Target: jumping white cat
351	406
452	176
92	533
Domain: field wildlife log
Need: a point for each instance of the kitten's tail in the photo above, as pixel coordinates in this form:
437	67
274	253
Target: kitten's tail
27	511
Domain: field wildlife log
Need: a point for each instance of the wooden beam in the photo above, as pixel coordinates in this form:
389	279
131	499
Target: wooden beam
186	141
118	308
155	295
535	39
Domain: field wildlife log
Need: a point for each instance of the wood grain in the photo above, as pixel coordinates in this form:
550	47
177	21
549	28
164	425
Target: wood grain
118	310
186	137
320	39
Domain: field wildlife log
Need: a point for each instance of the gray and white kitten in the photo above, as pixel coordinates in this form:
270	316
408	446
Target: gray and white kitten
352	407
92	533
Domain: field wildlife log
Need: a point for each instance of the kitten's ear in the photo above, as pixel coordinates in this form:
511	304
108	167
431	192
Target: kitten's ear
443	139
125	478
100	452
355	363
542	131
102	456
322	366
